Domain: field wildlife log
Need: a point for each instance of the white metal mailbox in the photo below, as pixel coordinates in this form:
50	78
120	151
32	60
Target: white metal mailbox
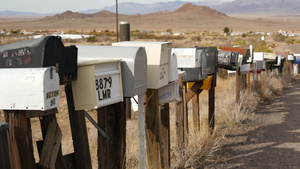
98	84
244	69
133	65
291	57
169	93
193	61
173	68
258	56
158	56
29	88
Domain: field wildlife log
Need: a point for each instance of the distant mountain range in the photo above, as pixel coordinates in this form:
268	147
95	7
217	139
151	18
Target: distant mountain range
185	10
236	6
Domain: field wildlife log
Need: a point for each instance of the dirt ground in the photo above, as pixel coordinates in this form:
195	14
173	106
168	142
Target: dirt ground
272	140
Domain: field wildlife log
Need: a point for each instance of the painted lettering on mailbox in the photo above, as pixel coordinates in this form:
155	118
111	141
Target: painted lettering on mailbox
17	56
52	94
103	86
165	95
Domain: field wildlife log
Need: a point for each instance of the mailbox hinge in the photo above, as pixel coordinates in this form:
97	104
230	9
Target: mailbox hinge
96	125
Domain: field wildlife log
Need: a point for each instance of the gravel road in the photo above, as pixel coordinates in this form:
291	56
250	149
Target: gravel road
272	140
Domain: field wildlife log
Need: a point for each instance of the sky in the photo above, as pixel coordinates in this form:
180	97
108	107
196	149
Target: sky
54	6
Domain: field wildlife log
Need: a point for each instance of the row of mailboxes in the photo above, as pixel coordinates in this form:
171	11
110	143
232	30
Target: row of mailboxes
42	52
227	59
29	88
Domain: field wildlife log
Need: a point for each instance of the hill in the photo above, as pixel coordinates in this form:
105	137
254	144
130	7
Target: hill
198	11
66	16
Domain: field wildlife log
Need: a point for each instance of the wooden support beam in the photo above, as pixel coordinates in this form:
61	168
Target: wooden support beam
44	121
237	83
248	83
112	119
192	91
196	112
211	102
165	139
153	130
20	140
4	153
51	145
180	113
79	133
128	107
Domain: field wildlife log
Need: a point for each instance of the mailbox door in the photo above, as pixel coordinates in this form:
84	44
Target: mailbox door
29	89
97	85
169	93
212	59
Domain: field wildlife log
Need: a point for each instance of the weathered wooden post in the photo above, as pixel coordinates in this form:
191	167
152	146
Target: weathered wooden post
211	103
79	132
180	112
4	153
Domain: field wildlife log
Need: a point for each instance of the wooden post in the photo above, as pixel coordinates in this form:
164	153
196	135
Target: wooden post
128	107
180	112
153	130
211	102
165	151
79	133
196	113
4	153
112	119
237	90
44	121
20	140
248	83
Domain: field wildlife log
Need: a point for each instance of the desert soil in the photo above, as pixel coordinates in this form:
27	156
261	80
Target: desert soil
272	140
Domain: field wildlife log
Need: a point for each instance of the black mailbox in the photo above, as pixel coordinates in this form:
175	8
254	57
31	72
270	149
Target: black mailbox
212	59
227	59
42	52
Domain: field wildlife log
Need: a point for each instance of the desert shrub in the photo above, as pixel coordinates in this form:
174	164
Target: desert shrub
280	38
69	40
297	41
196	38
270	84
91	39
240	42
261	46
289	41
